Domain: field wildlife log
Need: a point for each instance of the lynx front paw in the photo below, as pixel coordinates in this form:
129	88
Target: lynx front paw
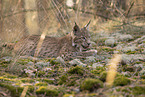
90	53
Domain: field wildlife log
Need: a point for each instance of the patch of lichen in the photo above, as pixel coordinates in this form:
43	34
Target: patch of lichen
121	81
91	84
47	91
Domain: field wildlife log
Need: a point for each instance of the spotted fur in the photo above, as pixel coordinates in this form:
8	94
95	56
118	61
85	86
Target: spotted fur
68	46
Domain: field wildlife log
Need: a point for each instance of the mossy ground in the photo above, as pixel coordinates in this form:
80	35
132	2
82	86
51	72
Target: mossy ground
69	80
46	77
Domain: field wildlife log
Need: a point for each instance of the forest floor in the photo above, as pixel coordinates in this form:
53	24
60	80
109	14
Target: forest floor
84	77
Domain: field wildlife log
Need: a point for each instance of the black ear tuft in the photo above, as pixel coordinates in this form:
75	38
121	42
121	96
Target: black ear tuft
76	28
87	24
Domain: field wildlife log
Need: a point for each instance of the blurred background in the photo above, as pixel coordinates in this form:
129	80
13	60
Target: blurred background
56	17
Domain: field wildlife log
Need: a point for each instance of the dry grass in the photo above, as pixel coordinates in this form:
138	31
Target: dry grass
112	69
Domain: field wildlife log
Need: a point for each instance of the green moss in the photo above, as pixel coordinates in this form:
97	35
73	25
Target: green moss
7	79
131	52
53	62
138	90
103	76
76	70
68	80
41	84
129	68
31	88
138	62
91	84
107	49
69	95
24	80
23	61
4	62
142	81
98	70
72	81
10	76
63	79
143	76
92	95
48	81
47	91
121	81
15	91
41	73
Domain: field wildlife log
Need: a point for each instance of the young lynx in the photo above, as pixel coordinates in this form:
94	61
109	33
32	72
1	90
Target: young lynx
71	45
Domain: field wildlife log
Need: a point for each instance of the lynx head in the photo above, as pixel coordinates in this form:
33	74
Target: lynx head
81	37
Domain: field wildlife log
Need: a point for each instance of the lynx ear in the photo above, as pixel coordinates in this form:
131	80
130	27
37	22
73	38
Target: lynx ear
76	29
87	25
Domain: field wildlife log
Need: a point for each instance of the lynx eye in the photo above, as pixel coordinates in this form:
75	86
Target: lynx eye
83	37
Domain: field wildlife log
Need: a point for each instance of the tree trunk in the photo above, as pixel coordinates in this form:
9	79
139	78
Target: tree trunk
12	24
31	17
1	19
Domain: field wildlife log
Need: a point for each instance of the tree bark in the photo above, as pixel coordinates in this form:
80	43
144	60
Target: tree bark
31	18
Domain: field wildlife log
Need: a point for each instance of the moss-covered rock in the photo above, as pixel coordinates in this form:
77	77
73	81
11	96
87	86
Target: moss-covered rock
48	91
76	70
68	80
53	61
91	84
110	42
121	81
77	62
